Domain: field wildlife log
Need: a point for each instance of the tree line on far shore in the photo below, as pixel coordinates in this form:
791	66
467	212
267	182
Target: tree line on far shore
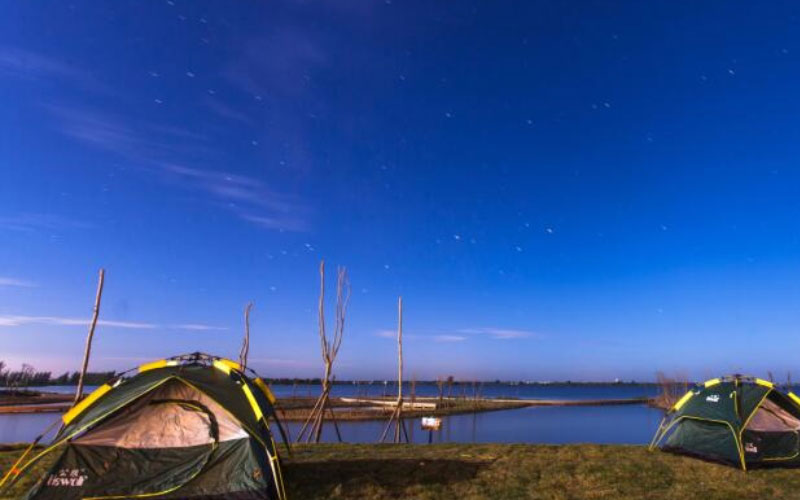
28	376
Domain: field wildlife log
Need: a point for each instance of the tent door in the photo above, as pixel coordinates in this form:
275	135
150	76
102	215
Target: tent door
773	434
98	471
771	446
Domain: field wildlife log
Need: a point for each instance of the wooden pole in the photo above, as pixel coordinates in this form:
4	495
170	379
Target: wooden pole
310	419
396	417
326	357
400	349
87	351
399	369
246	342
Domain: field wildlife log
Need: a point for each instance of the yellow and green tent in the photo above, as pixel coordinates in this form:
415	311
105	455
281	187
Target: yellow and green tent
743	421
191	426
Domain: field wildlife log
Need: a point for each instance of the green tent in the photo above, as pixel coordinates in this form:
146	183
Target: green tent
743	421
192	426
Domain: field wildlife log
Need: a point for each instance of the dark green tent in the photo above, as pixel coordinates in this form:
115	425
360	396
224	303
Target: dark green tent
192	426
742	421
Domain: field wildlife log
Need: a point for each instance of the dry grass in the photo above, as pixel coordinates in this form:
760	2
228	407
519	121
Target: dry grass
543	472
524	471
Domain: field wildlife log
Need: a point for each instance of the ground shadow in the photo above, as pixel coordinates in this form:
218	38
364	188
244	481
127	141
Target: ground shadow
391	474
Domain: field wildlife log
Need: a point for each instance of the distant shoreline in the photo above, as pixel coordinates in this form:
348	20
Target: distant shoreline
316	381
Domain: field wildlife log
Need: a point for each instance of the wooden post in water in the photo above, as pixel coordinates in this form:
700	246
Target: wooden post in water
397	414
88	349
245	351
399	368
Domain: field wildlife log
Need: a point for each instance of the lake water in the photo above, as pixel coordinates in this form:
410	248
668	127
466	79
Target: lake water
626	424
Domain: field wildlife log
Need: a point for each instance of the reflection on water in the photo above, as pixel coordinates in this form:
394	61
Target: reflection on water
629	424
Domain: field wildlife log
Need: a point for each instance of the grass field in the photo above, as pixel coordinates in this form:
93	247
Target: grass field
517	471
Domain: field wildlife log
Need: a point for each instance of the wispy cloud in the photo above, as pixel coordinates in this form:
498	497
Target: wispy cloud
12	320
152	149
29	65
21	320
500	333
225	111
9	282
198	327
249	198
279	63
232	187
35	222
282	224
449	338
392	334
463	334
386	334
105	131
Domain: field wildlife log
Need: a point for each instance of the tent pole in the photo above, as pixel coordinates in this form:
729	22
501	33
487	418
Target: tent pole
657	437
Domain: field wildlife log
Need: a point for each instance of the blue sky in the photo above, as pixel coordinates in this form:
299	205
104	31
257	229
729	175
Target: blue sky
558	190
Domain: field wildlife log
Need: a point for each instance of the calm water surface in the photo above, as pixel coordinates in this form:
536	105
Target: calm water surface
628	424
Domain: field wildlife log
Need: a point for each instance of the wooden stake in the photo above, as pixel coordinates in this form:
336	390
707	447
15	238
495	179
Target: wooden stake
245	351
400	349
399	421
397	414
88	350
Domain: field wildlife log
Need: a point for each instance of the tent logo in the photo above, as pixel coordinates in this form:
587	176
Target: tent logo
67	477
750	448
713	398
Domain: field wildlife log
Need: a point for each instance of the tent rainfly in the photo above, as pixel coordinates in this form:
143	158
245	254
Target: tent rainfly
738	420
191	426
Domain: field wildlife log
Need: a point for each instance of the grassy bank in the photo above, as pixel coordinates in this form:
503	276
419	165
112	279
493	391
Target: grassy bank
518	471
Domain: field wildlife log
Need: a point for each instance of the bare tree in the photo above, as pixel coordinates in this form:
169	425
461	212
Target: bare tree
671	389
26	375
88	350
21	378
329	348
245	351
